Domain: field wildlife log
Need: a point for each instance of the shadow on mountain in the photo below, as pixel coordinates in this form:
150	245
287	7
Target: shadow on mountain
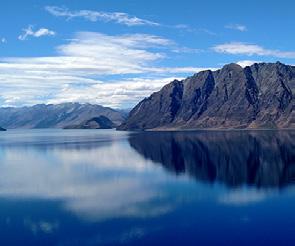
255	158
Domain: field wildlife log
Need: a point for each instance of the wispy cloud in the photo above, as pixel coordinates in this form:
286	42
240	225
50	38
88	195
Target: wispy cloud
90	15
80	70
237	27
188	28
119	18
238	48
27	32
207	31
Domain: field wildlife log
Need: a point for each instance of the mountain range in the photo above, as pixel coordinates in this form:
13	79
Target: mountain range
56	116
257	96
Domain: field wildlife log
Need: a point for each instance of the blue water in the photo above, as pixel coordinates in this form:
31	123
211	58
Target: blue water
102	187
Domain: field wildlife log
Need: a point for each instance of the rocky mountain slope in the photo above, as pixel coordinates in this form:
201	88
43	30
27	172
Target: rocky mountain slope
257	96
55	116
100	122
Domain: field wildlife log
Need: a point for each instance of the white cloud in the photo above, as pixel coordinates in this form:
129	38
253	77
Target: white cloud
246	63
132	50
39	33
80	70
238	48
3	40
117	17
96	54
114	93
237	27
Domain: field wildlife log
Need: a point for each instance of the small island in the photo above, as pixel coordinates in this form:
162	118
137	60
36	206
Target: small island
100	122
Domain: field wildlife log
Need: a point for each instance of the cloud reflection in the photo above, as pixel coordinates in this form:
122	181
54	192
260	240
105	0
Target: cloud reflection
103	182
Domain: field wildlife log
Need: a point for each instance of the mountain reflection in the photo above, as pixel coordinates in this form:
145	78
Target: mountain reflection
258	158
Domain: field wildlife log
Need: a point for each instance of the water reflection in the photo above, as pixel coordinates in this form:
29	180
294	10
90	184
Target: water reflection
259	158
107	187
96	175
47	139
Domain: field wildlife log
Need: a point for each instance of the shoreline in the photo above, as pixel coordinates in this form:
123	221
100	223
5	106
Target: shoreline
208	129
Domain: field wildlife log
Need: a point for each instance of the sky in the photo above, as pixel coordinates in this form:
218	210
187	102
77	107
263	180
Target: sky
117	52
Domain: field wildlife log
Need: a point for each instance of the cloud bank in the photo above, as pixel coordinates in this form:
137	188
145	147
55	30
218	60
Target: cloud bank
115	71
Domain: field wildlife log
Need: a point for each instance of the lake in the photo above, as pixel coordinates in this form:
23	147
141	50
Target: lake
103	187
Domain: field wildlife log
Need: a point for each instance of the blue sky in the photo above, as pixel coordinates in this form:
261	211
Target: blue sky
116	52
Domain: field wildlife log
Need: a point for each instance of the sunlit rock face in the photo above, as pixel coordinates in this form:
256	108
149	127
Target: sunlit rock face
257	96
261	158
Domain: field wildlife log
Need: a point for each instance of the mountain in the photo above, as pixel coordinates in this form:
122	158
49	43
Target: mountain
100	122
257	96
55	116
2	129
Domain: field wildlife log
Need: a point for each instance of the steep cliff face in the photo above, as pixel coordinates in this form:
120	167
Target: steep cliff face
159	109
259	96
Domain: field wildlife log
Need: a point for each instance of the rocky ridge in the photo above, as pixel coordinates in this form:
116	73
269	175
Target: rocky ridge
257	96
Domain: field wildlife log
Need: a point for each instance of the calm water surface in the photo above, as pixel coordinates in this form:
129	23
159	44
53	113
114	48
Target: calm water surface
102	187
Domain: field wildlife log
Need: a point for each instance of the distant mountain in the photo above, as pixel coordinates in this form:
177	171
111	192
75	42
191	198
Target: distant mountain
125	111
55	116
100	122
257	96
2	129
